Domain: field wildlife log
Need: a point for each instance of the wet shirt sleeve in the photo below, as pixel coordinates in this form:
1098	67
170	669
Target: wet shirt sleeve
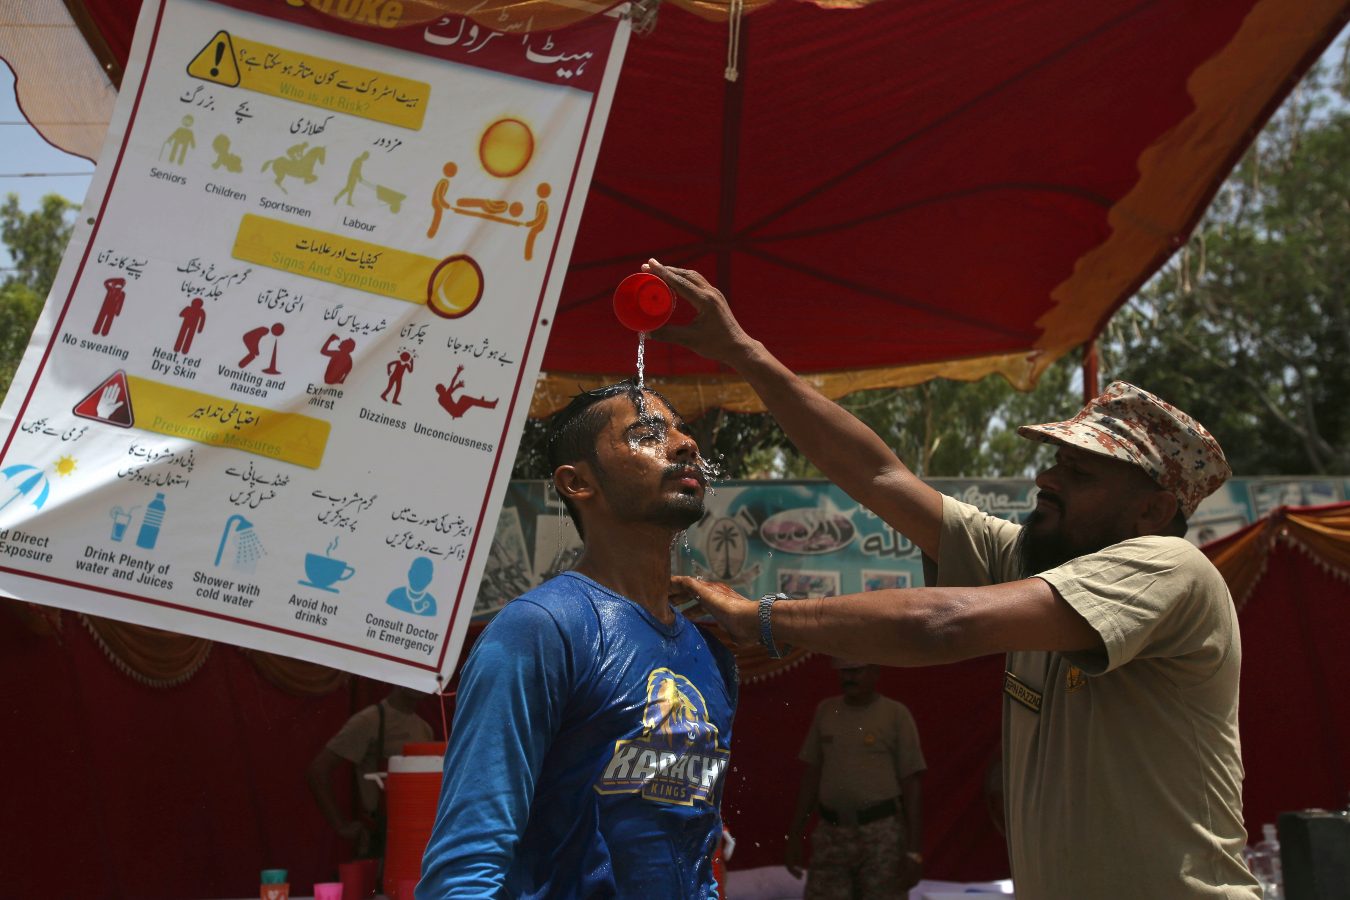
508	709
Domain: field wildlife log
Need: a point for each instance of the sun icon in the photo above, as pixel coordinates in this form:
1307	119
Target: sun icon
65	466
506	148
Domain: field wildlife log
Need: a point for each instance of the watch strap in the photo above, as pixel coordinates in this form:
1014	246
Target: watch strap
766	624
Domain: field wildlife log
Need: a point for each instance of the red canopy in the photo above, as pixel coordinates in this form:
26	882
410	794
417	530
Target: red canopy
909	189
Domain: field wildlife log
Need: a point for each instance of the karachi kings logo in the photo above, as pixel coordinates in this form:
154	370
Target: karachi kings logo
675	759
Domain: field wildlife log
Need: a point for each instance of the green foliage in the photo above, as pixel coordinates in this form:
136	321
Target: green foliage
1248	326
19	308
36	241
956	429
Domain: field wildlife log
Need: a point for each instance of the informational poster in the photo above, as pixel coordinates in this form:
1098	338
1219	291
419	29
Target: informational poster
277	388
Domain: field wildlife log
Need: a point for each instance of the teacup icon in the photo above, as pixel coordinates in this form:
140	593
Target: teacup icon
325	571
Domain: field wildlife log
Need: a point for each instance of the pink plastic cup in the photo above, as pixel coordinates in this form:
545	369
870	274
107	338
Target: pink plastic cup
643	302
328	890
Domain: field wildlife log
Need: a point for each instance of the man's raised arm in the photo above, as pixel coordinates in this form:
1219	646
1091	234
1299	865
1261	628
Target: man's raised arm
849	453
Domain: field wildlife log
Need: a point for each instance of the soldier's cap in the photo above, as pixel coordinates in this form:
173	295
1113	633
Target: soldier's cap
1129	423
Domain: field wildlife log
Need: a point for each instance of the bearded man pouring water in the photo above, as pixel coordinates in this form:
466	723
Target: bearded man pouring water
1122	765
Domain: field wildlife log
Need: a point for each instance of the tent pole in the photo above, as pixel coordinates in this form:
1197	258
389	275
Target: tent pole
94	38
1090	371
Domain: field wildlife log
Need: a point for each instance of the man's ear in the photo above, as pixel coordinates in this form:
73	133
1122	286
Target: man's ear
1157	514
574	482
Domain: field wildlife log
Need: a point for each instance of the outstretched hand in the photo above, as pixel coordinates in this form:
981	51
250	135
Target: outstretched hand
714	333
737	615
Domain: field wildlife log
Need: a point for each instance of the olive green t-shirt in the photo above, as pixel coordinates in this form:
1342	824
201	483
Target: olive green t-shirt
1126	781
356	741
864	752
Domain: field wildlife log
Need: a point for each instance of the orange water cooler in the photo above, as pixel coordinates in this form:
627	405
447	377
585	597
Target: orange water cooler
411	790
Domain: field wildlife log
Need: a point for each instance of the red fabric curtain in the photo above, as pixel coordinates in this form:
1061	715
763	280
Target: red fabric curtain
116	789
1295	709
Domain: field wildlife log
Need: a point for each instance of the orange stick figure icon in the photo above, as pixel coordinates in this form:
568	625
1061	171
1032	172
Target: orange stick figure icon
439	204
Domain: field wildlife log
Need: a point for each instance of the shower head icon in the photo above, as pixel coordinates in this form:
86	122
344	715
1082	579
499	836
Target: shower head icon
248	548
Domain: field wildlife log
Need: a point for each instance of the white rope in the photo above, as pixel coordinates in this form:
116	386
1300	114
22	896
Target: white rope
642	14
734	40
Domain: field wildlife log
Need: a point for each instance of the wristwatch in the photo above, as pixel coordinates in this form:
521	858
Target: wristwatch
766	626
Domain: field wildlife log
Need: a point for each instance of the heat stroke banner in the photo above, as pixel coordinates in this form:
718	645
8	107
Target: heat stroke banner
276	390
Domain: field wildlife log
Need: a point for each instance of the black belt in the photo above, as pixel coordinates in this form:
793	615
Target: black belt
874	813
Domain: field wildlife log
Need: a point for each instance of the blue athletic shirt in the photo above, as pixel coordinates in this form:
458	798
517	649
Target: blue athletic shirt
588	754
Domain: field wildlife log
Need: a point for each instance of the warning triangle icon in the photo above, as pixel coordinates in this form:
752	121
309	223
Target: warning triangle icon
216	62
110	402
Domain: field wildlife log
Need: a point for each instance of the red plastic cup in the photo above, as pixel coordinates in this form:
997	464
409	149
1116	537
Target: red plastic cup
643	302
358	879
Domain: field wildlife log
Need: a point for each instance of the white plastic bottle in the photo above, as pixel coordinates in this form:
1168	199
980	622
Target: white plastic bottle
1264	861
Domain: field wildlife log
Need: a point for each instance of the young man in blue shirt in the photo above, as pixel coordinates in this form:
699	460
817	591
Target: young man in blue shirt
593	723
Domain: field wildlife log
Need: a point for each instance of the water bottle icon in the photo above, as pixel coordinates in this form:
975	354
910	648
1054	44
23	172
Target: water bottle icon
154	517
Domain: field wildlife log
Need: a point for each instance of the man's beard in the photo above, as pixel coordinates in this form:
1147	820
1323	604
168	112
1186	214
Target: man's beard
1039	550
680	511
677	512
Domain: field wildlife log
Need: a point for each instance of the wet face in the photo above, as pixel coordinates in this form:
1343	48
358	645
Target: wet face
1086	502
858	683
647	465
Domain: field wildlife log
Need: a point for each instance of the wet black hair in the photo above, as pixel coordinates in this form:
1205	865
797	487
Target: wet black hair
573	430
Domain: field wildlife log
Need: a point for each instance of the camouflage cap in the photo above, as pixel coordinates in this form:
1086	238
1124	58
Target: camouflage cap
1129	423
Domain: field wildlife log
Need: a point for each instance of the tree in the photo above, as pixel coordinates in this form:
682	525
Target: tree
1250	321
36	241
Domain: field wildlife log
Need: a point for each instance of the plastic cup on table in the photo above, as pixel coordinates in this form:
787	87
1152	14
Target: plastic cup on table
274	891
328	890
643	302
273	876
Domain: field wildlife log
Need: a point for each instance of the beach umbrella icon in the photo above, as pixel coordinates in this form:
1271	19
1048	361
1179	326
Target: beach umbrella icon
26	480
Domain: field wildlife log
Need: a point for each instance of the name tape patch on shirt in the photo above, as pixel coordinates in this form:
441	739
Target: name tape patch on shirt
1021	692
